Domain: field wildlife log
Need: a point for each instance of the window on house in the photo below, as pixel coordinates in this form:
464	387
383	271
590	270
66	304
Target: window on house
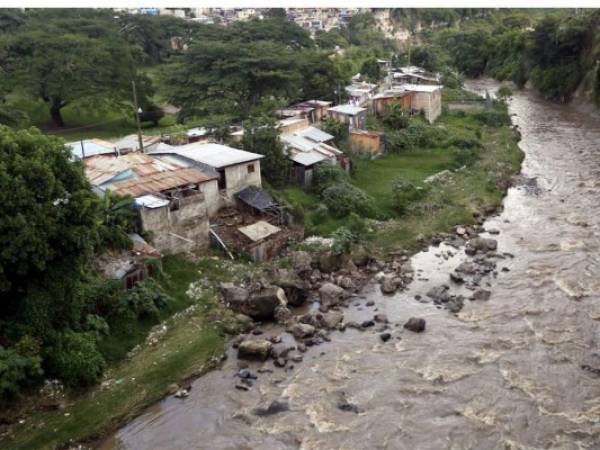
250	168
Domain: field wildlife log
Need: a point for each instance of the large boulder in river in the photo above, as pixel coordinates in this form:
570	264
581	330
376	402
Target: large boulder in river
481	294
235	297
330	262
302	330
261	305
301	262
439	294
480	244
283	315
389	284
296	289
415	324
332	319
330	294
254	349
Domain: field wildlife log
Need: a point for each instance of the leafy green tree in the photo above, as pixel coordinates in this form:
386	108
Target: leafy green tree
154	33
261	136
337	129
468	50
48	231
222	77
371	70
504	92
117	220
62	69
395	117
330	39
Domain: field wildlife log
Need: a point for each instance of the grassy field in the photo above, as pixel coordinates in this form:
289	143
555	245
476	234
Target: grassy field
454	202
191	343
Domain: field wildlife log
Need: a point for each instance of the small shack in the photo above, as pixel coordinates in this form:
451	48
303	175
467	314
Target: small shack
426	98
130	267
364	141
354	116
383	100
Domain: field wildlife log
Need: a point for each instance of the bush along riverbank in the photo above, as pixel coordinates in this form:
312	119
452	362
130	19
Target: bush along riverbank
435	183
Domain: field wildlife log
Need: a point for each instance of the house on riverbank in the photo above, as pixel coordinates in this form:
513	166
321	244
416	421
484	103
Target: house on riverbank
170	199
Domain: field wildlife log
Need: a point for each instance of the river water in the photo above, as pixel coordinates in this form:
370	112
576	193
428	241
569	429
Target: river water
501	374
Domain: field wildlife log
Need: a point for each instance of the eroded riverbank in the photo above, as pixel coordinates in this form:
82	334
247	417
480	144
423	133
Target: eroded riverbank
503	373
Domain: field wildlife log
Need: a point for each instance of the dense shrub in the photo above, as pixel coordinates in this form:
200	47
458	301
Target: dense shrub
326	175
345	198
463	142
405	192
492	117
17	371
463	156
343	239
395	118
75	359
415	135
144	300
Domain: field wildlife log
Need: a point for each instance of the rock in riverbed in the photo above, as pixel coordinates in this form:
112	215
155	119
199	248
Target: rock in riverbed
415	324
389	284
254	349
480	244
481	294
330	294
302	330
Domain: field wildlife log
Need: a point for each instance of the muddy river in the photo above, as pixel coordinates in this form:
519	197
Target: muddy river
502	374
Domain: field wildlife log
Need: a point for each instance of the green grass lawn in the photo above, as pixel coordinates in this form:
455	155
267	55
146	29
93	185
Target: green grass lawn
192	343
375	176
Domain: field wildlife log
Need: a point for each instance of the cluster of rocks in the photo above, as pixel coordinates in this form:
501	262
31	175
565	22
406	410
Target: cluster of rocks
393	275
307	330
471	273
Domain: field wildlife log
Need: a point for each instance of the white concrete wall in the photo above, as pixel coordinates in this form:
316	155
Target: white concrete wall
430	103
210	189
179	231
238	178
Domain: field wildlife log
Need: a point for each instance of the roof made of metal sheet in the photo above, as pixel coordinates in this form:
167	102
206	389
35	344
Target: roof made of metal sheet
421	87
315	134
348	109
145	174
307	158
214	155
90	147
256	197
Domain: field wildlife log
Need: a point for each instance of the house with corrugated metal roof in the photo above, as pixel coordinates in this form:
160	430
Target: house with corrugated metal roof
171	199
354	116
309	147
233	168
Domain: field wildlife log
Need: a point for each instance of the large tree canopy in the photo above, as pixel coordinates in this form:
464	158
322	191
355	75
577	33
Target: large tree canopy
232	69
65	68
48	226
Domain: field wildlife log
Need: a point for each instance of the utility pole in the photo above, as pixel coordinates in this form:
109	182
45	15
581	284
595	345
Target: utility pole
137	111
